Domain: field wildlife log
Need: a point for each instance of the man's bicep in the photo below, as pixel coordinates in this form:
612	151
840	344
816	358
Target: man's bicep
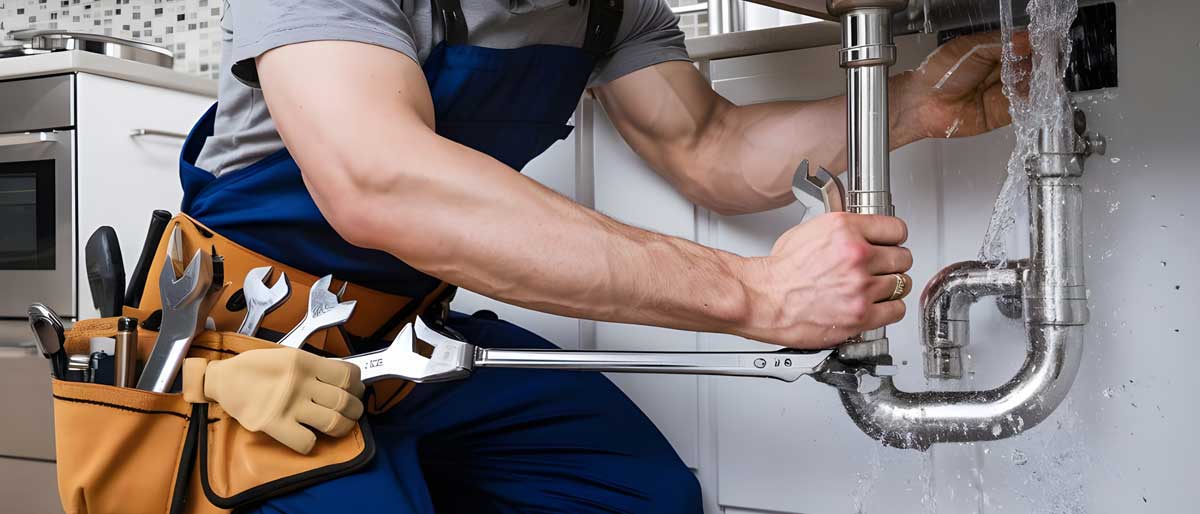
336	100
662	109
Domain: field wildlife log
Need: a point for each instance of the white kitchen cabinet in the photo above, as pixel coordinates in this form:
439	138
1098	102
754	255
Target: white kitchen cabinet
28	487
122	178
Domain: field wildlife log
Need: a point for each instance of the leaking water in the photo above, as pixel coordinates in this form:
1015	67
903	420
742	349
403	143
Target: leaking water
1044	103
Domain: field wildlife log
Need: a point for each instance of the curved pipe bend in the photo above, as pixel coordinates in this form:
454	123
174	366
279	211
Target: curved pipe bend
918	420
947	299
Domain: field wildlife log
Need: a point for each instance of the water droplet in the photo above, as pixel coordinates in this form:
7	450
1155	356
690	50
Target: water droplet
1154	197
1019	458
1115	160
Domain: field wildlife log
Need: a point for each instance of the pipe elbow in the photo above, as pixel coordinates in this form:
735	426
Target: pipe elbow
918	420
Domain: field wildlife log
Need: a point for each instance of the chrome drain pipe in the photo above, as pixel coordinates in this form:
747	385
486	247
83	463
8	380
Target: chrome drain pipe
1049	285
867	53
1053	292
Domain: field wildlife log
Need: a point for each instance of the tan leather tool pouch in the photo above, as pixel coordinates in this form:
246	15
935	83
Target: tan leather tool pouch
128	451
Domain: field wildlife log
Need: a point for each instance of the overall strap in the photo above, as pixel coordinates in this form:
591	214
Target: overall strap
604	19
454	24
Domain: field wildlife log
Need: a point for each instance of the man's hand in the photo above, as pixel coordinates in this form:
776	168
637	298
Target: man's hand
957	91
829	279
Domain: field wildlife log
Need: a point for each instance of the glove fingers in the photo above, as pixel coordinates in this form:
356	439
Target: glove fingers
291	434
341	374
327	421
334	398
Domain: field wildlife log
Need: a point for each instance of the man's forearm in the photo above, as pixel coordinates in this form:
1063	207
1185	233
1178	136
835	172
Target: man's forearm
478	224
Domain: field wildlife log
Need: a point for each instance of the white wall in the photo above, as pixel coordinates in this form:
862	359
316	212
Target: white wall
760	446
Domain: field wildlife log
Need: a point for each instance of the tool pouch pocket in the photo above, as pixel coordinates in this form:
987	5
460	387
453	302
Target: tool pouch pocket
129	451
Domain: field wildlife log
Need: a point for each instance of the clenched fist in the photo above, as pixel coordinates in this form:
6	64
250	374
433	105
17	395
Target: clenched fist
828	279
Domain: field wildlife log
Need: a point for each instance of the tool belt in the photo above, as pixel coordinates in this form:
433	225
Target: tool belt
131	451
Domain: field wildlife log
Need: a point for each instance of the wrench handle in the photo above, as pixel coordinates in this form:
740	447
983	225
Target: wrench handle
785	365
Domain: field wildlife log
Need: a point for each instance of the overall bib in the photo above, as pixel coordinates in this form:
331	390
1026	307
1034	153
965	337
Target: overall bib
503	440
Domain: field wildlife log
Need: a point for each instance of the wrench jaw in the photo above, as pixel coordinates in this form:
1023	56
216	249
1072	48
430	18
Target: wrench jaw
324	311
184	313
856	377
451	359
260	299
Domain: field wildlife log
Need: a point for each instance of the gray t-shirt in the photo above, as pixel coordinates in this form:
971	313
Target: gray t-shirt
244	132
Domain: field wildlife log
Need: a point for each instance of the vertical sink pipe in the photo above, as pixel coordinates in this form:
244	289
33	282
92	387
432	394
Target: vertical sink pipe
867	53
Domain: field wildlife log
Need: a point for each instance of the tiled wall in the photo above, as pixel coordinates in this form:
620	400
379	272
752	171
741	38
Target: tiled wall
186	27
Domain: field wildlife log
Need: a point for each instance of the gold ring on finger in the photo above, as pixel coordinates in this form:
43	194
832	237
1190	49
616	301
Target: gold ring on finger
901	287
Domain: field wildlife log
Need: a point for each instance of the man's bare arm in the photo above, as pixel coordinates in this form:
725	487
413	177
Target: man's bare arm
359	121
737	159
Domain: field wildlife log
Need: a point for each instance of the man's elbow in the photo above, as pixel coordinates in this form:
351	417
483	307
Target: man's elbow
353	198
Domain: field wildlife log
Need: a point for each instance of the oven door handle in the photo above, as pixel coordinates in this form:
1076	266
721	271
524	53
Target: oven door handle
27	138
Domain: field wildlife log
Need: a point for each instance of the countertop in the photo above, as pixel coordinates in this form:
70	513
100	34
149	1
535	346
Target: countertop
76	61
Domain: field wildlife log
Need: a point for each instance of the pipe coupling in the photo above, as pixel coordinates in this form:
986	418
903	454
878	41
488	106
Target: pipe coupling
870	202
867	38
840	7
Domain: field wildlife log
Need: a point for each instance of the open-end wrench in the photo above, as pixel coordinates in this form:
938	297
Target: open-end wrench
822	190
453	359
260	299
183	315
323	312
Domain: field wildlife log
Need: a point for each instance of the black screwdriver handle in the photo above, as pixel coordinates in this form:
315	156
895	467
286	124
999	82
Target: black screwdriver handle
105	271
137	281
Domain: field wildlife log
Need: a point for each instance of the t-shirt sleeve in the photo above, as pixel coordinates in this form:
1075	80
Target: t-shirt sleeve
649	34
261	25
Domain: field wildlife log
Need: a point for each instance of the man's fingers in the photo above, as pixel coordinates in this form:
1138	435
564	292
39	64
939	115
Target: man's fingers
889	259
995	108
884	313
880	230
883	286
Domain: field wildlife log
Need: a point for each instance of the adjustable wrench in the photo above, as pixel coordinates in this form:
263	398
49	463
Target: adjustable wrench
260	299
183	315
453	360
324	311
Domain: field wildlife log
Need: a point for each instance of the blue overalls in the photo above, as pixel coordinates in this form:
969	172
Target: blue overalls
504	440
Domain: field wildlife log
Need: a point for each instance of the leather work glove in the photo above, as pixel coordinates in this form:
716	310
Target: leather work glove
279	391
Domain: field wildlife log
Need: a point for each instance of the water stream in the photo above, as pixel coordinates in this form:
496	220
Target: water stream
1043	100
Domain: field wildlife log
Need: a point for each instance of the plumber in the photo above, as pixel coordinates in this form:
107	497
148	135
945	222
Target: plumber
382	141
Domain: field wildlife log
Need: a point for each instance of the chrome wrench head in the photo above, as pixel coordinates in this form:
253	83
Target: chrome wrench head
822	190
182	317
451	359
260	299
324	311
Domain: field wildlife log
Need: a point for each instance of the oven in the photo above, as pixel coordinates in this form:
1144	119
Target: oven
37	196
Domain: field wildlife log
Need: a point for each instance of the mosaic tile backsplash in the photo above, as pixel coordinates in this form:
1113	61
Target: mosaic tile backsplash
189	28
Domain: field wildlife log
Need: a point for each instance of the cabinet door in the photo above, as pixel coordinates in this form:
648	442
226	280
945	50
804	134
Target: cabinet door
28	487
27	425
122	178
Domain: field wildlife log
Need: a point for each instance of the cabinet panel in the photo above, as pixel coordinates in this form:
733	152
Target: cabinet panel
29	487
27	426
121	178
